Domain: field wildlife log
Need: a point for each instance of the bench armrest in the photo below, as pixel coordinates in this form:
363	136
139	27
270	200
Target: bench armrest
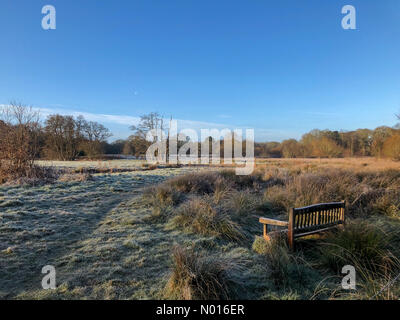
273	222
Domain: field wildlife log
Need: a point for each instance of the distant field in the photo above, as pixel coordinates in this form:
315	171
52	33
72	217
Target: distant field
102	164
366	163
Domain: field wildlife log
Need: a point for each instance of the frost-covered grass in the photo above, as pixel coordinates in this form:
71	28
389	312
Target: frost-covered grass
96	164
83	228
108	239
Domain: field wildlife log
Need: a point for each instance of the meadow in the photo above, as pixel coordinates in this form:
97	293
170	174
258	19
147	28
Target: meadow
193	232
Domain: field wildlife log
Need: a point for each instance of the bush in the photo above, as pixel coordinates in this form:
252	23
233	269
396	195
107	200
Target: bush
35	176
19	136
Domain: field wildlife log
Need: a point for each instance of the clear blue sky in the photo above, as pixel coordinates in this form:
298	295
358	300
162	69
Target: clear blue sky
285	66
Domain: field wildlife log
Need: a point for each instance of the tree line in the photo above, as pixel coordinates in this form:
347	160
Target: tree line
64	137
382	142
60	137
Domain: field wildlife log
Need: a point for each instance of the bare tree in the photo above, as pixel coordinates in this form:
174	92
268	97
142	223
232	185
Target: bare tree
63	135
19	136
151	121
137	143
95	134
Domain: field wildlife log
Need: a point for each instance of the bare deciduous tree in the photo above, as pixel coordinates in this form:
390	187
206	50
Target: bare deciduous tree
95	134
151	121
19	136
63	136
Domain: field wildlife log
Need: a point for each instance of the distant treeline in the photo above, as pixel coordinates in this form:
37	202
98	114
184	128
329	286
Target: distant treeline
381	142
62	137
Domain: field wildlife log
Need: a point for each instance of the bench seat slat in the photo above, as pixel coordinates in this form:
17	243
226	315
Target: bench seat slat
303	234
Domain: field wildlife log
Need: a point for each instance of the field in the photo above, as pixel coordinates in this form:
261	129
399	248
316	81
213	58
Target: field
193	232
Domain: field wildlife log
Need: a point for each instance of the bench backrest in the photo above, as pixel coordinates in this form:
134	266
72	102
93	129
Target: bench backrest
317	216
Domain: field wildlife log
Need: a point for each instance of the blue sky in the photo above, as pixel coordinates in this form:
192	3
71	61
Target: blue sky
282	67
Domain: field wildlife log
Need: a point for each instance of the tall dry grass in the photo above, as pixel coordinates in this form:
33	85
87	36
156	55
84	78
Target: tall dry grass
195	276
225	206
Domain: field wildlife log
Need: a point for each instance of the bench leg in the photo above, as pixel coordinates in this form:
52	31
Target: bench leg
291	242
265	233
291	229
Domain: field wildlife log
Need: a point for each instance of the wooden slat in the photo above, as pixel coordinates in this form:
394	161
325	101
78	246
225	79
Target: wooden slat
303	234
273	222
302	220
322	206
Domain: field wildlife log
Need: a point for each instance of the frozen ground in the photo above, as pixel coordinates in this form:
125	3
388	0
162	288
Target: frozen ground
101	164
91	231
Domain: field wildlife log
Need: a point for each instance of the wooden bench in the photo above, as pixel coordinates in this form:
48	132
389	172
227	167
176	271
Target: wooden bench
308	220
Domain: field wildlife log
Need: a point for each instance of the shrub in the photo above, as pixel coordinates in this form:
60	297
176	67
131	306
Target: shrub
19	136
36	176
391	147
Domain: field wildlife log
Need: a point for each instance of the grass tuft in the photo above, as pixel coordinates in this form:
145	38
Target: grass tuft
199	216
195	276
